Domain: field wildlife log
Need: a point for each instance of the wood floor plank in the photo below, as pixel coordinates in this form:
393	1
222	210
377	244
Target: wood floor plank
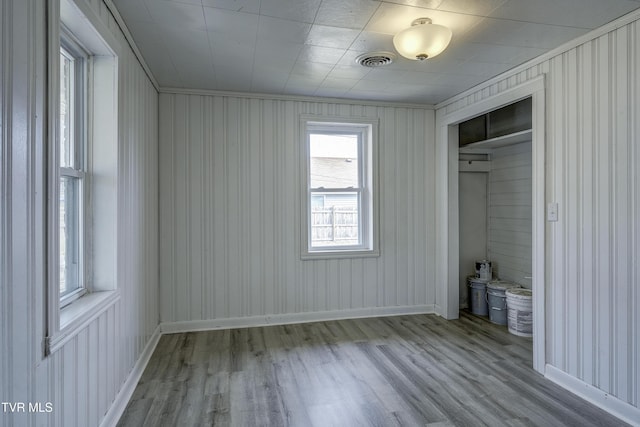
394	371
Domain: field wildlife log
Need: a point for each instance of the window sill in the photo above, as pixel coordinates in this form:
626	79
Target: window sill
333	254
77	315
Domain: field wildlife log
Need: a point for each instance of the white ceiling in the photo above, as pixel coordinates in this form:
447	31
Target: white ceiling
308	47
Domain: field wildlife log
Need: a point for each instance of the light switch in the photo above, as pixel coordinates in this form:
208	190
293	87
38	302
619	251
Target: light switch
552	212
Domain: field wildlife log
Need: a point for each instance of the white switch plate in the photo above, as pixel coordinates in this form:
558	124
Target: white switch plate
552	212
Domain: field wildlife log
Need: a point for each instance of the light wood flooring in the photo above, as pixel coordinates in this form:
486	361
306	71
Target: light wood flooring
407	370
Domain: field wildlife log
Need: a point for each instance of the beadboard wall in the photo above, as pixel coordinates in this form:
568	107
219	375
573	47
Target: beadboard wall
81	380
509	213
230	215
592	154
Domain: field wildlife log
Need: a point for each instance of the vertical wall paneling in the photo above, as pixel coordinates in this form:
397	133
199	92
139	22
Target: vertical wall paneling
229	215
592	280
473	227
509	213
82	378
5	46
21	264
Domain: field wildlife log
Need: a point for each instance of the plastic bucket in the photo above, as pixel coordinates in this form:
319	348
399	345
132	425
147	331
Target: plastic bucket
478	296
483	270
520	312
497	300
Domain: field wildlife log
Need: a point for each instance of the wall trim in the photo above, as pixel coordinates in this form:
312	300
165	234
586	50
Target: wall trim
121	401
291	318
132	44
299	98
603	400
572	44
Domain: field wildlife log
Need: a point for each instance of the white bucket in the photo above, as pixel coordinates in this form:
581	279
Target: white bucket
478	296
497	300
483	270
520	312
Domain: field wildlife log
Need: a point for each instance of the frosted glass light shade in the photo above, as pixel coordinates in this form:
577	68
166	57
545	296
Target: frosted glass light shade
422	40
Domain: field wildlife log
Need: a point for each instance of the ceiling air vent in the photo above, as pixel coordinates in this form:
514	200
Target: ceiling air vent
375	59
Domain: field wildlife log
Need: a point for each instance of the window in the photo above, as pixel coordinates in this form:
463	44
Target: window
339	214
82	177
72	143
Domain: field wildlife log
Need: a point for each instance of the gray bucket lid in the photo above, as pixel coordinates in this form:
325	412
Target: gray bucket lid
519	293
501	285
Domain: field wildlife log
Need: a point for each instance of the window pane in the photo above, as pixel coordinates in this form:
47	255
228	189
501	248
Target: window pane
69	235
335	221
334	161
66	109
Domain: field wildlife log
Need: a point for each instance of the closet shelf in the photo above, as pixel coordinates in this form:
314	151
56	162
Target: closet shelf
488	145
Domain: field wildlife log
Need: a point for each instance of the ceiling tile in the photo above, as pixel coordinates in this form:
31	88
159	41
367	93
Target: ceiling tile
266	76
240	54
196	2
418	78
311	70
369	41
337	83
485	69
149	39
234	26
427	4
329	92
471	7
302	89
185	42
133	10
301	85
460	80
323	55
282	30
233	80
588	14
277	53
191	54
294	10
370	95
171	14
246	6
523	34
322	35
349	72
363	84
346	13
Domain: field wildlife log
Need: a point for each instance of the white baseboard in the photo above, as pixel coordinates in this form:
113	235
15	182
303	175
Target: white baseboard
126	391
289	318
616	407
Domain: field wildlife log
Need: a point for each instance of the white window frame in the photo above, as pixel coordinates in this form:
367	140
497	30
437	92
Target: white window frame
366	131
74	25
71	48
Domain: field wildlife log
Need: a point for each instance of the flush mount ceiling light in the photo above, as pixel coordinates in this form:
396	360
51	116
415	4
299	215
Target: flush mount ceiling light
422	40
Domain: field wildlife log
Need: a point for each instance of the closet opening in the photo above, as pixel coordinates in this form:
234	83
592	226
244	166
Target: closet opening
495	202
493	166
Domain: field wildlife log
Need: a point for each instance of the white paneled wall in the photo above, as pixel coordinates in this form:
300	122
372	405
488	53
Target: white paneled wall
230	205
592	252
82	379
509	213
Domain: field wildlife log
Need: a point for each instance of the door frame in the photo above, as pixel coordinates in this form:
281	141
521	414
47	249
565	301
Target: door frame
447	214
